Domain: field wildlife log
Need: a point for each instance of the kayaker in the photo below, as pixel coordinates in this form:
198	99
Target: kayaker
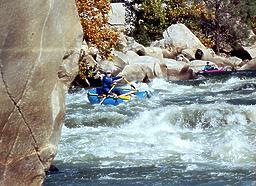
207	66
108	81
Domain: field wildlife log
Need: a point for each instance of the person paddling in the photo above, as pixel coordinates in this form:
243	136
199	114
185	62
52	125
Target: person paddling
207	66
108	82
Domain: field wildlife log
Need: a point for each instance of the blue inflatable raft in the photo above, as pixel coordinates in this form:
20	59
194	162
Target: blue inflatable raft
127	95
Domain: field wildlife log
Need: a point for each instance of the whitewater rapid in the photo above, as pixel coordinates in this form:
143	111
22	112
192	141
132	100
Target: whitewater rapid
182	129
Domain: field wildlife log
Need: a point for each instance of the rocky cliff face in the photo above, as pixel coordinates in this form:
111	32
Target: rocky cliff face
39	48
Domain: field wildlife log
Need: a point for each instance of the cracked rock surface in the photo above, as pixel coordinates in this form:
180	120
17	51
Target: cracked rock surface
34	38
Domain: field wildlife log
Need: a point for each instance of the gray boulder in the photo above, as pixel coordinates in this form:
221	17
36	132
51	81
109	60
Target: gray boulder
178	70
179	36
251	65
136	72
251	50
134	46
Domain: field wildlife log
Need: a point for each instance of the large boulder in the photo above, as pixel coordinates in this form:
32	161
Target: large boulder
131	54
134	46
178	70
221	61
122	41
88	59
155	64
179	36
113	66
236	62
251	65
36	38
251	50
136	72
159	43
173	64
189	53
120	58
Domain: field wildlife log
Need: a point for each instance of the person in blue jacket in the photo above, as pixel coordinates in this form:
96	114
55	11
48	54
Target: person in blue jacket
108	81
207	66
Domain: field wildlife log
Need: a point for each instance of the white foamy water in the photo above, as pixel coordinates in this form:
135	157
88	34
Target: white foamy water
210	124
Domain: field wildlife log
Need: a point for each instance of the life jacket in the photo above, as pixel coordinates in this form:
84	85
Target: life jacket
107	82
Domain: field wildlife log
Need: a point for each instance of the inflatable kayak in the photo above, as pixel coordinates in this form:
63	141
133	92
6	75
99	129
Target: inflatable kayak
127	95
211	73
220	73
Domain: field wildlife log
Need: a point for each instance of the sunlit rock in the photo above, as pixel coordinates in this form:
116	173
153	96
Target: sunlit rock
159	43
136	72
178	70
189	53
251	51
153	63
106	65
134	46
154	52
181	57
36	38
179	36
121	59
117	14
122	41
251	65
169	53
221	61
236	61
131	54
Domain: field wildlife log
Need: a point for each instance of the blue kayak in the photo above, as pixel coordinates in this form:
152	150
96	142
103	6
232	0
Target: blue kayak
127	95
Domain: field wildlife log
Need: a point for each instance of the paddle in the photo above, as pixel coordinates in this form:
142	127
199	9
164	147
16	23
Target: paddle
128	93
133	87
108	94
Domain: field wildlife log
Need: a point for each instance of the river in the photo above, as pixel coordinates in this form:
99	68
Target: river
193	133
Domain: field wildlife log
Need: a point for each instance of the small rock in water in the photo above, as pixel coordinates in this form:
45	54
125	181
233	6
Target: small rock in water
52	169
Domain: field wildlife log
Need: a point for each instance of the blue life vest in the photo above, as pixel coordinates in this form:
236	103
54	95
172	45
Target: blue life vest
107	82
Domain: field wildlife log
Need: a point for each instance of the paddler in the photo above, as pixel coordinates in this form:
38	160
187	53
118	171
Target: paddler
108	82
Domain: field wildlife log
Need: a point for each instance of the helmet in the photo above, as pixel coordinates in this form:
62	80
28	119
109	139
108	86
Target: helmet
108	72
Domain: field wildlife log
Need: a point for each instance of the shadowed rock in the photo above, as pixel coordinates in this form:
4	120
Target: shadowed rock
38	55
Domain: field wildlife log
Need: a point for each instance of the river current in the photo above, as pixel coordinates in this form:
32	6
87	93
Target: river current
187	133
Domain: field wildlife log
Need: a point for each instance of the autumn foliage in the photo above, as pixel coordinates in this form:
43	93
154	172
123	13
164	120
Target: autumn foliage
94	20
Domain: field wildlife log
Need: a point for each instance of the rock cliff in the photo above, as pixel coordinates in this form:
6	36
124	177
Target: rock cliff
39	50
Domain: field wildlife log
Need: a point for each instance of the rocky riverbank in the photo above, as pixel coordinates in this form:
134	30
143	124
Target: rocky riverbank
178	56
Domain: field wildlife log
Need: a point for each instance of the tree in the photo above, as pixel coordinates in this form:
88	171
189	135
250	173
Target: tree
154	15
94	20
249	7
145	19
226	21
249	13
